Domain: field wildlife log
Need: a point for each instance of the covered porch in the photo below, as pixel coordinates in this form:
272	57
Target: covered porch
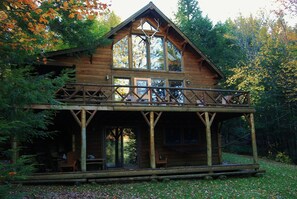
205	109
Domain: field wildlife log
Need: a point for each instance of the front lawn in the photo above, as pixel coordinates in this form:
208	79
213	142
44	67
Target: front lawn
279	181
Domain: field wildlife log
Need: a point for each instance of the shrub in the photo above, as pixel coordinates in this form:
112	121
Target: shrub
283	158
11	172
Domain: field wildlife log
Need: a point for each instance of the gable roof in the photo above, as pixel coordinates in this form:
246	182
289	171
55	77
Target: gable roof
153	10
149	9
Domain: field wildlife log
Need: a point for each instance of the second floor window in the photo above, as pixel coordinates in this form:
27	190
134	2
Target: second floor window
120	54
153	54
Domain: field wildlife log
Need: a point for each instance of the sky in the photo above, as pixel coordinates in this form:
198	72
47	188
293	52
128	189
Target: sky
217	10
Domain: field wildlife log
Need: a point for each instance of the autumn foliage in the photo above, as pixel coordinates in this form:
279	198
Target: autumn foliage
24	23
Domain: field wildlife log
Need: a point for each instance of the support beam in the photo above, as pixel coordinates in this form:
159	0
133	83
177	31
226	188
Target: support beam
253	136
152	122
83	155
208	139
152	141
207	122
220	143
83	122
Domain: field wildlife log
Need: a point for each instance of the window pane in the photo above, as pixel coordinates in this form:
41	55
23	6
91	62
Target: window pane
141	91
146	26
176	95
121	91
157	53
139	52
158	94
174	58
120	54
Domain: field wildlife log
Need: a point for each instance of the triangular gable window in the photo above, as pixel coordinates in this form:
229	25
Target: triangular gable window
147	26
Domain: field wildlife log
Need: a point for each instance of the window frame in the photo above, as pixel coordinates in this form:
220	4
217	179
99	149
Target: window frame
120	77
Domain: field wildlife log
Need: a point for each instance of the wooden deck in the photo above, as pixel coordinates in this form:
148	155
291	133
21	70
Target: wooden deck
76	96
115	175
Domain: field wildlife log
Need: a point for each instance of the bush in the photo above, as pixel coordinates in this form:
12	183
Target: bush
283	158
11	172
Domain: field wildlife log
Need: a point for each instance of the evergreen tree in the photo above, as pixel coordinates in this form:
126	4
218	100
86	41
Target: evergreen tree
213	41
26	29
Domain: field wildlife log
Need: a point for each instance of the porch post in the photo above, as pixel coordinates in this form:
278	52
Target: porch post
14	146
253	136
208	140
152	141
83	141
220	143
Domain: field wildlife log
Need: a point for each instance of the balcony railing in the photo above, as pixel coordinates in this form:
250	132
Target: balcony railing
122	95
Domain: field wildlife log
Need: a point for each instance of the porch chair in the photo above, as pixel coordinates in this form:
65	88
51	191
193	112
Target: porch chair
160	160
70	162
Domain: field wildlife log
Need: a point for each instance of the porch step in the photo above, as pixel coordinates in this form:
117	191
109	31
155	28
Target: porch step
144	174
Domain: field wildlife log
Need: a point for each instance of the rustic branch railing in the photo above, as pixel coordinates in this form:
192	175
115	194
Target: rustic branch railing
94	94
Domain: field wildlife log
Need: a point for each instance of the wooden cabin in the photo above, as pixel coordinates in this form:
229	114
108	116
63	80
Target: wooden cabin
147	100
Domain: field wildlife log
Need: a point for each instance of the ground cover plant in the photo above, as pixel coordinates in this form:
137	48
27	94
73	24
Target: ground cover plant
279	181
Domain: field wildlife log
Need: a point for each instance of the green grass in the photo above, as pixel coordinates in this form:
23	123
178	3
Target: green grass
279	181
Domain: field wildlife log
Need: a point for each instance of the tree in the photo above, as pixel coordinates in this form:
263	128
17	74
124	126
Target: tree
190	20
25	24
213	41
26	30
269	71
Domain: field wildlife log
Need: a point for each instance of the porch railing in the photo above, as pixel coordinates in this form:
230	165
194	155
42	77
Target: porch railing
95	94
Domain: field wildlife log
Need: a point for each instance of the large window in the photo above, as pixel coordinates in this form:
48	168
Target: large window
146	53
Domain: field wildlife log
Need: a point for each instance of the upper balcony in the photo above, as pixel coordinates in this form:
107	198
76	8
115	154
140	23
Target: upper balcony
143	98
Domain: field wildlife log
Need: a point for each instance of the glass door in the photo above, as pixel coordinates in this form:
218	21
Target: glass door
121	147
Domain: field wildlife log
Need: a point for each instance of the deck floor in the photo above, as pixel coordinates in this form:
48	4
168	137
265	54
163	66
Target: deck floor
114	175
